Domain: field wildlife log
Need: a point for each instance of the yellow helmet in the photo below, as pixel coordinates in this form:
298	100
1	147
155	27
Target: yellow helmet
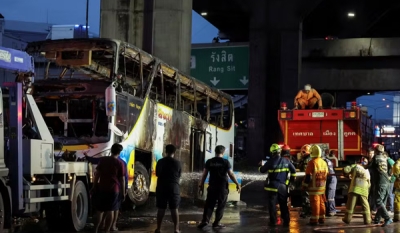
275	148
315	151
305	150
347	169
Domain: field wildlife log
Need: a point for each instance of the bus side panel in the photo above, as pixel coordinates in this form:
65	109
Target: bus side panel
140	137
225	137
172	127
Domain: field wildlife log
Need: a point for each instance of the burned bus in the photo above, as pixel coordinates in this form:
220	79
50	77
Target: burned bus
96	92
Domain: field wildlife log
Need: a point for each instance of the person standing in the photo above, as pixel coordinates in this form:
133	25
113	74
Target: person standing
391	184
217	192
358	190
108	187
396	174
331	183
371	197
278	169
116	212
382	181
305	199
168	172
315	183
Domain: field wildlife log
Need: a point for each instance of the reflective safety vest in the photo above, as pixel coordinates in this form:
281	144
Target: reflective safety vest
396	174
278	169
316	175
360	180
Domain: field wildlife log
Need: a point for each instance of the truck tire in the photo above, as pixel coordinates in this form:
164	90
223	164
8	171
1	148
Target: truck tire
2	214
141	184
79	207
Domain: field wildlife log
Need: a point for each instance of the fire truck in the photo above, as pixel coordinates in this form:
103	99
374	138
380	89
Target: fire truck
348	131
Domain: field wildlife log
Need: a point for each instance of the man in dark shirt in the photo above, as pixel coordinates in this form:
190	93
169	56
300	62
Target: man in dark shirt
109	186
94	160
217	191
168	171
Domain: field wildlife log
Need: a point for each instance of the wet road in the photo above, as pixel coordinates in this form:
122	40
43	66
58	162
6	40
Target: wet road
243	220
250	219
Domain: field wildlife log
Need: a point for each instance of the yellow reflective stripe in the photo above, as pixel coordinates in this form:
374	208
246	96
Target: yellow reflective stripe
287	182
278	170
294	174
259	169
315	192
271	189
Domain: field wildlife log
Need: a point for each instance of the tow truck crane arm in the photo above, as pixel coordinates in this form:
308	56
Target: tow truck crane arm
16	61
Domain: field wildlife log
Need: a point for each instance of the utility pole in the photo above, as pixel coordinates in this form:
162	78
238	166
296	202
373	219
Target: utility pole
87	18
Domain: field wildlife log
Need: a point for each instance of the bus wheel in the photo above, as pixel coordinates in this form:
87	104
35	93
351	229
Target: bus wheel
79	208
2	214
140	185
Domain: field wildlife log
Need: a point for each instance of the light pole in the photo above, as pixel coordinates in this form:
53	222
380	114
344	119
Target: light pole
397	110
87	18
386	106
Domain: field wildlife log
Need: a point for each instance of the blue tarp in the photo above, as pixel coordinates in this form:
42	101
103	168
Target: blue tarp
16	60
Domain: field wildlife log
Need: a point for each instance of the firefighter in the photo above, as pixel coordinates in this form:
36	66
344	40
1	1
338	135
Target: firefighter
358	190
396	174
277	183
315	183
307	98
371	197
382	180
305	200
286	153
331	183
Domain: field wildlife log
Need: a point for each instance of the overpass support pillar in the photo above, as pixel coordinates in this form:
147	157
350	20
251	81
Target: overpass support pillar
160	27
275	61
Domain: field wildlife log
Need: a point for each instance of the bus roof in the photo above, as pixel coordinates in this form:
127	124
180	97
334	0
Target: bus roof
134	53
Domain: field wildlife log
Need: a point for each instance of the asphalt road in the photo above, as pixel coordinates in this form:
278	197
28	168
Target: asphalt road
252	218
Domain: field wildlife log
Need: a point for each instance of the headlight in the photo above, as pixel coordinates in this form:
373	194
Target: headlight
102	154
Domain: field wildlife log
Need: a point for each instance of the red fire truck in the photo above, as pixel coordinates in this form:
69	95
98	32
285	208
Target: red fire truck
348	131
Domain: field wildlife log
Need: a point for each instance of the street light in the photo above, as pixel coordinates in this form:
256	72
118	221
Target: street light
386	106
87	18
351	15
397	110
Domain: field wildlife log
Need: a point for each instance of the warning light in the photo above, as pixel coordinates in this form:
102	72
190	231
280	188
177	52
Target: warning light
283	106
354	105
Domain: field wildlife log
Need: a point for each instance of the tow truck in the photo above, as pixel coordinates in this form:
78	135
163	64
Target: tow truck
347	131
32	177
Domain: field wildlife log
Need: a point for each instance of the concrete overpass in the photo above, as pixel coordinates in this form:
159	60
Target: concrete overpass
365	64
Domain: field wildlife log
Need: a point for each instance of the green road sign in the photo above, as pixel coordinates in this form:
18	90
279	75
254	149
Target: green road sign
224	67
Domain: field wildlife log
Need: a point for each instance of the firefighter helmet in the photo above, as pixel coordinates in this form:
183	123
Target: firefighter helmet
347	169
285	149
315	151
275	148
305	150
